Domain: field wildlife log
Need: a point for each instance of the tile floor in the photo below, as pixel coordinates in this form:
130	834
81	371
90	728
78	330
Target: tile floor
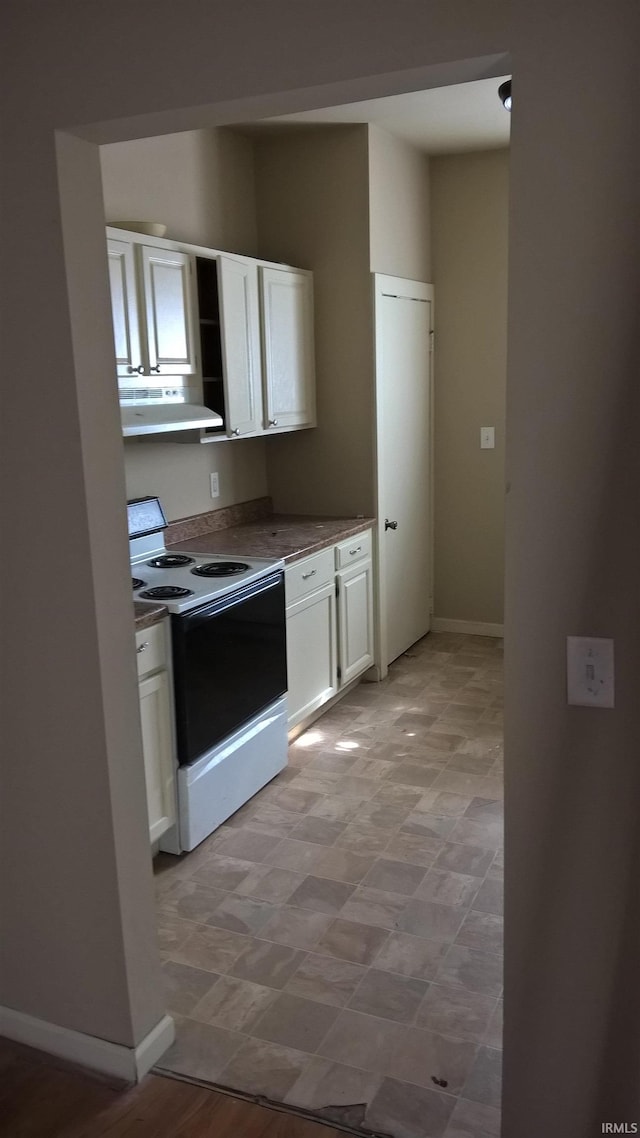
336	945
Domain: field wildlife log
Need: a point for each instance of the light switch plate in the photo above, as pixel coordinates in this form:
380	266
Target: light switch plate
215	485
487	438
590	676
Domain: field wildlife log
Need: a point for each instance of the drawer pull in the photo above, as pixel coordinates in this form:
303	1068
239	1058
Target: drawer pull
312	573
352	552
142	647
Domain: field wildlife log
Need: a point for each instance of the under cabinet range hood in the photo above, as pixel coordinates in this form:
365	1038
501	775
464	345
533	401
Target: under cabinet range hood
151	411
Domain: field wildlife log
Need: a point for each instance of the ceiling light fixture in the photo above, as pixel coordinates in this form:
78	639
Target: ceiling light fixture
504	91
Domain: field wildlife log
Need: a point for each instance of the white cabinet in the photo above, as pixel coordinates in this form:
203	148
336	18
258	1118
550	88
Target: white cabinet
355	620
168	310
312	656
288	348
228	322
244	332
329	623
124	306
152	309
157	728
240	346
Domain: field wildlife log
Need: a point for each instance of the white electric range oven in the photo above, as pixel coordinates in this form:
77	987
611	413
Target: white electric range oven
229	668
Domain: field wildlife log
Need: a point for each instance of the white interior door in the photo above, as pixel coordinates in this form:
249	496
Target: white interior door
403	324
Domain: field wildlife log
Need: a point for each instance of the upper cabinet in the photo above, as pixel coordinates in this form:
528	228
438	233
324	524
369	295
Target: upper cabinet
168	310
152	306
287	337
229	330
241	328
124	306
243	308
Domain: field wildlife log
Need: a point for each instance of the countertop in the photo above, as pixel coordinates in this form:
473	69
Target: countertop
147	613
285	536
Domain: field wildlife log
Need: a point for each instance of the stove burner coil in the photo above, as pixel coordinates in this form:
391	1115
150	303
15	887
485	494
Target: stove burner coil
166	592
220	568
170	561
137	583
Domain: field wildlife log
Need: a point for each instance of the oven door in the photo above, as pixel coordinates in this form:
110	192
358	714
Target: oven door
229	662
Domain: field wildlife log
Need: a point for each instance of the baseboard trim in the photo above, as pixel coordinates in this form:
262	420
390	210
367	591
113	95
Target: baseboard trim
113	1059
154	1045
469	627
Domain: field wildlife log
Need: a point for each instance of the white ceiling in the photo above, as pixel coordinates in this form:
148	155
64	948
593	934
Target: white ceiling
443	120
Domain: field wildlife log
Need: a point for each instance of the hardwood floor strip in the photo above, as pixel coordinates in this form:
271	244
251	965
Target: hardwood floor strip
42	1099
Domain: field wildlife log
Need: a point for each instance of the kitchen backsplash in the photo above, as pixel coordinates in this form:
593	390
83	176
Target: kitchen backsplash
213	520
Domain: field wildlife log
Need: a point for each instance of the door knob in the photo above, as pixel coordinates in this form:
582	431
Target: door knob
390	525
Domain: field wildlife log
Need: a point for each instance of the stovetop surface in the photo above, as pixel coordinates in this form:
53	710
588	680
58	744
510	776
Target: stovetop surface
192	588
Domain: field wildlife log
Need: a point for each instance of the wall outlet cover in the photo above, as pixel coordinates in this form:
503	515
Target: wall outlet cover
215	485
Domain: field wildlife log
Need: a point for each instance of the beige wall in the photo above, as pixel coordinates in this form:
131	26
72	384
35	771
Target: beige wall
572	568
312	192
201	185
399	208
469	219
179	473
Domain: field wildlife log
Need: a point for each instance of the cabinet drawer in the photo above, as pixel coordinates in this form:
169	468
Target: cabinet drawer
353	549
304	576
151	649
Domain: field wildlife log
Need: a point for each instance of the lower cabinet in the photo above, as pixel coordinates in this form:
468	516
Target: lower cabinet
157	728
355	620
329	623
312	657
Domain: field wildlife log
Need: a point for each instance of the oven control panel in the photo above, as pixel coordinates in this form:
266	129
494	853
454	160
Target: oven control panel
145	515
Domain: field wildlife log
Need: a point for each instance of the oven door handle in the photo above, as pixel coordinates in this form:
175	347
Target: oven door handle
231	600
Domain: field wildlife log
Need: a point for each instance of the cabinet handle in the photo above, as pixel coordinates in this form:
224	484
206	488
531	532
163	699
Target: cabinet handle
352	552
273	422
134	370
236	431
312	573
156	369
142	647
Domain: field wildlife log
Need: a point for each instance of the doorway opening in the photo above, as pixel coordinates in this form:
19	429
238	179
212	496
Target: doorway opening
408	863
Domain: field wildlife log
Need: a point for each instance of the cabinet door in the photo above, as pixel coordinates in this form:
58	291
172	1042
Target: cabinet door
240	331
311	653
168	308
287	334
355	620
124	306
155	715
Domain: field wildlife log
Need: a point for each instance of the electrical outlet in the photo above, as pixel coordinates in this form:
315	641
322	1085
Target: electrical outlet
215	485
589	671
